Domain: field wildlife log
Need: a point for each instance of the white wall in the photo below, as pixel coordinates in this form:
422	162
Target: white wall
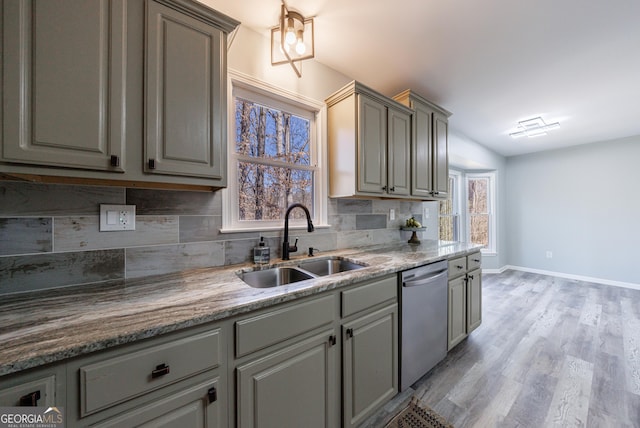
581	203
467	155
249	54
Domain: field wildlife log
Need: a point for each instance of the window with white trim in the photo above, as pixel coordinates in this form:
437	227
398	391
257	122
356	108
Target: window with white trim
481	219
274	159
469	213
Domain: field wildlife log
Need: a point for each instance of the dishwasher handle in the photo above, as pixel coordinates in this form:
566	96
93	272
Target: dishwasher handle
424	280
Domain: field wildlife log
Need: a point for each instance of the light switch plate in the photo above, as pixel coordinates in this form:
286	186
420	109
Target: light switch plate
117	217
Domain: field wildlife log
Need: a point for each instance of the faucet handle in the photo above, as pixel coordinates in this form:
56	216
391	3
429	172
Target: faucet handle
293	248
311	250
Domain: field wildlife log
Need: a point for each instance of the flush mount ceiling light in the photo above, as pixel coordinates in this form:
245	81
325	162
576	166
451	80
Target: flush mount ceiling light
292	40
535	127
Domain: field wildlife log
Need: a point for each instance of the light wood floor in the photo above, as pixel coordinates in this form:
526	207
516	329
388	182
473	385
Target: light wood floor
550	352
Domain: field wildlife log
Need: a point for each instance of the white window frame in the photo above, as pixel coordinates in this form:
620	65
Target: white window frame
491	249
269	95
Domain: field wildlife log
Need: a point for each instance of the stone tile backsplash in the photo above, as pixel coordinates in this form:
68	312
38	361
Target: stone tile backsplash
49	234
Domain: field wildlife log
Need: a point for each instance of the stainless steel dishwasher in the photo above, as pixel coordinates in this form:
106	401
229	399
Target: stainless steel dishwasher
423	323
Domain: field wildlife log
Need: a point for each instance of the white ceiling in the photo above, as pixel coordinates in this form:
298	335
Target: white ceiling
491	62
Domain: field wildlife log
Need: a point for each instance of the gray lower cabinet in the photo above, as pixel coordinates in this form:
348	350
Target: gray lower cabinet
291	387
288	371
174	380
286	366
369	348
457	322
369	363
474	300
323	361
465	297
189	407
63	88
40	387
185	110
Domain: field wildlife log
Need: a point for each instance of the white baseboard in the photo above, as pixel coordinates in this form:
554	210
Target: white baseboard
501	270
566	275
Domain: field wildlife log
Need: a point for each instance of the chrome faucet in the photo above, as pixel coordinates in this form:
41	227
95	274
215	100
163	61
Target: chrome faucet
286	248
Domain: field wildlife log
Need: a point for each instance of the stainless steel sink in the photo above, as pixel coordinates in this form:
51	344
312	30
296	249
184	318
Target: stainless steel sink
328	266
282	275
274	277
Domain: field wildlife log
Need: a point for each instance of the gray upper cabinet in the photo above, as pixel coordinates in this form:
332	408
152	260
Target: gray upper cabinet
430	147
399	152
82	78
64	65
372	145
440	155
369	139
185	95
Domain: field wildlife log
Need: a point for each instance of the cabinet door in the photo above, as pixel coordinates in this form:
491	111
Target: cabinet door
440	155
372	146
63	89
370	364
474	299
185	101
457	325
44	387
197	406
290	388
399	153
422	151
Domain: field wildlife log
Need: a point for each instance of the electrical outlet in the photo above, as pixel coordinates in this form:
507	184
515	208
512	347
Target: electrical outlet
117	217
392	214
425	215
549	254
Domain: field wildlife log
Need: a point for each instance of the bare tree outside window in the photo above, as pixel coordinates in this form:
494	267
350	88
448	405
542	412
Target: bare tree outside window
274	162
478	203
449	217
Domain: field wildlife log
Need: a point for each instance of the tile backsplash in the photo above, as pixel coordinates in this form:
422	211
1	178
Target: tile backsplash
49	234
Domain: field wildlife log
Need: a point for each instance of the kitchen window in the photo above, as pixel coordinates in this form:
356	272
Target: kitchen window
274	159
481	224
472	204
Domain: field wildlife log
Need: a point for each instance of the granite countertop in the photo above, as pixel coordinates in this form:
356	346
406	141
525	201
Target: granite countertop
49	326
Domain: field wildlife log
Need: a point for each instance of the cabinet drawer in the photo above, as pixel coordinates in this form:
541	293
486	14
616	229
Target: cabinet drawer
457	267
273	327
368	295
40	392
474	261
112	381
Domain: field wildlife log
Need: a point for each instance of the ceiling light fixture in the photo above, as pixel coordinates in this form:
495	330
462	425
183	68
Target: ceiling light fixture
295	31
535	127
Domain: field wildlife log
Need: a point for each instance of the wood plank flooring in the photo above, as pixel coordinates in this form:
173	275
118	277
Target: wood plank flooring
550	352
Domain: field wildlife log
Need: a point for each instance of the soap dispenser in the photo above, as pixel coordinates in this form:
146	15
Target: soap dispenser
261	253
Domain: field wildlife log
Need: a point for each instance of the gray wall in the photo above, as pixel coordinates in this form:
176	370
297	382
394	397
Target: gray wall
49	234
581	203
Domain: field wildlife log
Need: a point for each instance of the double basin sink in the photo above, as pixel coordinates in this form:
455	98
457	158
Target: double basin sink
282	275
